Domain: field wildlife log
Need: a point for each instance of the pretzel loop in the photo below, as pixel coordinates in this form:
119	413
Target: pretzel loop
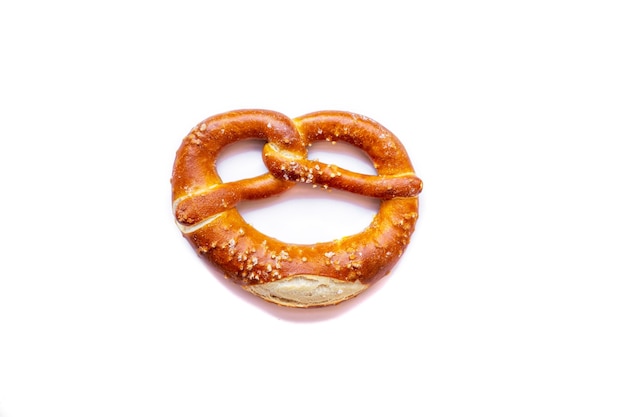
288	274
199	191
396	177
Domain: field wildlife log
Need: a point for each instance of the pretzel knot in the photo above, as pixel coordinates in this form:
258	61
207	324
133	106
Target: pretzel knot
288	274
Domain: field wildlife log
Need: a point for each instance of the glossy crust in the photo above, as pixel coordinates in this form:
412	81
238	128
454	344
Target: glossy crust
293	274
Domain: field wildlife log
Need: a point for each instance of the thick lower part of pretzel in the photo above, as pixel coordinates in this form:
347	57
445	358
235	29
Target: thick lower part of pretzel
338	270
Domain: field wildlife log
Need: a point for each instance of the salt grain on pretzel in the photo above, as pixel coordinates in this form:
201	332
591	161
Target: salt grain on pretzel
293	274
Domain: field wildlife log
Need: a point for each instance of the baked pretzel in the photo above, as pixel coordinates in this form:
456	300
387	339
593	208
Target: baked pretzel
294	275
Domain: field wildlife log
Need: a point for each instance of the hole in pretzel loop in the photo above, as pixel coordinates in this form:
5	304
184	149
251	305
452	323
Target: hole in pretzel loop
241	160
307	215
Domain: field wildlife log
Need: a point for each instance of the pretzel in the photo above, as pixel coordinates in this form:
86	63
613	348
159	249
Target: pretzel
294	275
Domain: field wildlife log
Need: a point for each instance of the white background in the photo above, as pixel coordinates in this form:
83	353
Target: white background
510	300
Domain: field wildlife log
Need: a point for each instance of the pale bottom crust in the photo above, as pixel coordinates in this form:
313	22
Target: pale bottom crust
307	291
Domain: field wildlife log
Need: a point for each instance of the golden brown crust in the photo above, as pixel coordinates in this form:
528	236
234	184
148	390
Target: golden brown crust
205	208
